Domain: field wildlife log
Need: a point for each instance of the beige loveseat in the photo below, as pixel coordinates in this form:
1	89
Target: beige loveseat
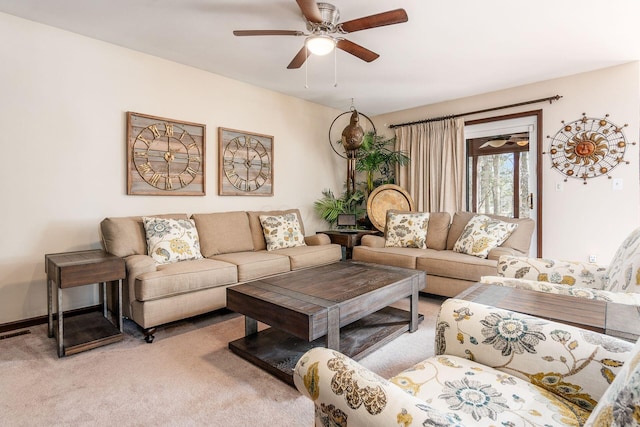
233	248
448	272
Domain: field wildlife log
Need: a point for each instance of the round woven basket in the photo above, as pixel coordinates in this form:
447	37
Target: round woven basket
384	198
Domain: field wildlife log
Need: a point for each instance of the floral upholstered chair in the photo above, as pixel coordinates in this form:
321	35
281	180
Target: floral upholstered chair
492	367
619	282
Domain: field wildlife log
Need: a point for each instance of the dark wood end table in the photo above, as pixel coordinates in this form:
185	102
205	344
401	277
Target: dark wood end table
89	330
348	239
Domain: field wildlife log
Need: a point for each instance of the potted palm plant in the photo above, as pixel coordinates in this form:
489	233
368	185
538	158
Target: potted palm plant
376	155
330	206
377	159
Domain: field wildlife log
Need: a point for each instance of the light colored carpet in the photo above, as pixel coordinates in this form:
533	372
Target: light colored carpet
187	377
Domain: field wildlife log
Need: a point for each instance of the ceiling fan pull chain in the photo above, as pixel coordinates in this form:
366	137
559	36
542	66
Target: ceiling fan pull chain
306	74
335	68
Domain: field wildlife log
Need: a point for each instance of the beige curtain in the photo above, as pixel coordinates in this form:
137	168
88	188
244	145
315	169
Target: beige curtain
436	175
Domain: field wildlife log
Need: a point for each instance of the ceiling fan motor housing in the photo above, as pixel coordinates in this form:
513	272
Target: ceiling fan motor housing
330	16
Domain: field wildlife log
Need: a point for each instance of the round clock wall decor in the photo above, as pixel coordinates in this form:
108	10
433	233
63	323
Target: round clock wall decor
165	156
245	163
587	148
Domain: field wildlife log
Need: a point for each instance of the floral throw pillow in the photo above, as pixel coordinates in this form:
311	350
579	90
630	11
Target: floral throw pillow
281	231
619	404
623	274
171	240
481	234
406	229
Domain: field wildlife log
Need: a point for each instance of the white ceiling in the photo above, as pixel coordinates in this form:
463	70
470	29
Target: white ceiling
448	49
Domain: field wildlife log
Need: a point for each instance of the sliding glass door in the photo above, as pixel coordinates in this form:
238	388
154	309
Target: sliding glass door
502	174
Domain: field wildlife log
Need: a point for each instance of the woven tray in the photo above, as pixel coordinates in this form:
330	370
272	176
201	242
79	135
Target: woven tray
384	198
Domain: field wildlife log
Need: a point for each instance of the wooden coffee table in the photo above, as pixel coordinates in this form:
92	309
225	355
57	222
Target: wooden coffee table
609	318
343	306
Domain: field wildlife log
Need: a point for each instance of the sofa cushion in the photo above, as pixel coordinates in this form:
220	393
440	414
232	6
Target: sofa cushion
256	228
171	240
455	265
223	232
477	394
124	236
396	257
519	240
281	231
481	234
256	264
438	230
310	256
406	229
185	276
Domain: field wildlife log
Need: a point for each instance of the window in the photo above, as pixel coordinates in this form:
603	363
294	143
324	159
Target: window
499	175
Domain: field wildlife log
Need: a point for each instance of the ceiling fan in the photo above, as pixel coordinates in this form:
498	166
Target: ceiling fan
325	31
520	139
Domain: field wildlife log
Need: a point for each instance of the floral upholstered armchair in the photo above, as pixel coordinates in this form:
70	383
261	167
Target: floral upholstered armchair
619	282
492	367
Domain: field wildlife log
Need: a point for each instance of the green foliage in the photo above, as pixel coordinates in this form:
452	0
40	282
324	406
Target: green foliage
377	156
329	207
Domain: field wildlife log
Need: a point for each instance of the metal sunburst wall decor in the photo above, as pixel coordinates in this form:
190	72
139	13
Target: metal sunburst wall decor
588	148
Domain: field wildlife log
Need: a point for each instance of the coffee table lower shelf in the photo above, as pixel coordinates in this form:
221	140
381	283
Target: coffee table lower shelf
277	352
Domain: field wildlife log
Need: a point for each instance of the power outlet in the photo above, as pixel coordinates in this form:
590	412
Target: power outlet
593	258
616	185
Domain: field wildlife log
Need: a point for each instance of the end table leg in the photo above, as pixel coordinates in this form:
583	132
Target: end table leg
120	321
50	308
103	286
60	325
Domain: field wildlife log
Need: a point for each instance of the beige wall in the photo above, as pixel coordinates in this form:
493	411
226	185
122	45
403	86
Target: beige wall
64	99
581	219
63	104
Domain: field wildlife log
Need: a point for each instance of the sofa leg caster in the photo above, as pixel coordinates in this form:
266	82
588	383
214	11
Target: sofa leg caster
148	334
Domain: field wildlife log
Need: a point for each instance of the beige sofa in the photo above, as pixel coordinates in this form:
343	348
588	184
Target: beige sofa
448	272
233	249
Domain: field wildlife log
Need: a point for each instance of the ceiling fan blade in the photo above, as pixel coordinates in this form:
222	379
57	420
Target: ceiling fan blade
299	59
357	50
267	33
391	17
310	10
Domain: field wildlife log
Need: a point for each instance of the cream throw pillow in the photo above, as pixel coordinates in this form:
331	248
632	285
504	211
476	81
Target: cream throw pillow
171	240
281	231
406	229
481	234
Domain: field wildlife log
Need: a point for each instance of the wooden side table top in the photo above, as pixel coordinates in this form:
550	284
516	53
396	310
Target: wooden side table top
609	318
70	269
346	238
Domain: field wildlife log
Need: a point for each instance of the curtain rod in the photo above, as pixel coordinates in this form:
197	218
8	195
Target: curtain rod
550	99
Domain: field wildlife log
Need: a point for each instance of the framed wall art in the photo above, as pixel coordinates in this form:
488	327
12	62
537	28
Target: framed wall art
165	156
245	163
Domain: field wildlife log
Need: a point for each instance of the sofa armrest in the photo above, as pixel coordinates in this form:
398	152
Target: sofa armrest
572	273
500	251
372	241
627	298
574	363
136	265
317	239
344	391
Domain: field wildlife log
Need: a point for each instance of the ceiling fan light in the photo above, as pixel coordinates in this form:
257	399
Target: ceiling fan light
320	45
